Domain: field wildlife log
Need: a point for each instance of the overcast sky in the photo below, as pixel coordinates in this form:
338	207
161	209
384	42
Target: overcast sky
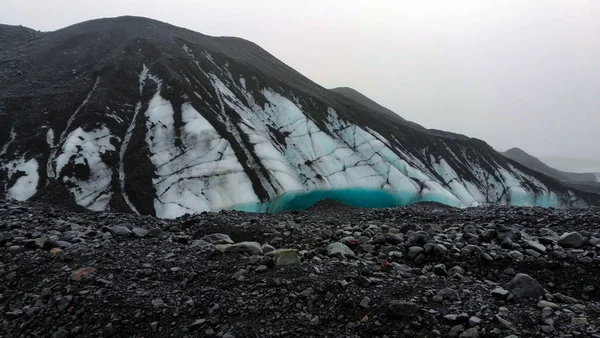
520	73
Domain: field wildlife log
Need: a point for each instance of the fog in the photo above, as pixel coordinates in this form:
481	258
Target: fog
513	73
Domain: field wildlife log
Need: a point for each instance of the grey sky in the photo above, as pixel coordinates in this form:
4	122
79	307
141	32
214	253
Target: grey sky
520	73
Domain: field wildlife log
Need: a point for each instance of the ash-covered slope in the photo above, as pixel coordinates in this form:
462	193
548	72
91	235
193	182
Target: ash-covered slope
132	114
581	181
534	163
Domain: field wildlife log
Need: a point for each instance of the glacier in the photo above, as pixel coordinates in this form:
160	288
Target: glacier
335	159
171	122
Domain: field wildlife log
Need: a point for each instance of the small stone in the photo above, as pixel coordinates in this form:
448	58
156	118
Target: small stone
286	257
470	333
340	250
537	246
64	303
503	322
440	270
414	251
155	232
217	239
365	302
64	244
434	334
571	240
154	327
314	321
109	330
267	248
15	249
15	313
61	333
547	312
456	330
363	281
261	268
547	328
139	232
56	251
198	243
120	231
500	293
253	248
196	324
516	255
456	270
159	303
446	294
82	274
45	243
543	303
579	321
474	321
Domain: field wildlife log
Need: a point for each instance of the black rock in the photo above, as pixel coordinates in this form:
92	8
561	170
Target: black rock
524	286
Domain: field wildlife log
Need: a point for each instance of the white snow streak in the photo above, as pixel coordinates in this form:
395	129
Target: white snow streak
50	170
13	134
142	79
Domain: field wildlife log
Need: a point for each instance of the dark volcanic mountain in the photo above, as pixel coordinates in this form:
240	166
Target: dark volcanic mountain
131	114
583	181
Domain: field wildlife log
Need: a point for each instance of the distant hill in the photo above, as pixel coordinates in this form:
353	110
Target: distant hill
572	164
536	164
14	36
583	181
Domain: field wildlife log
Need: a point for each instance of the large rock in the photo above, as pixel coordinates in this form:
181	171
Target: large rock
253	248
337	248
418	238
571	240
286	257
120	231
217	239
139	232
537	246
525	286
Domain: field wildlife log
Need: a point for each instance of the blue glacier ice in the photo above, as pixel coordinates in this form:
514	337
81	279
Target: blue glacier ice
356	197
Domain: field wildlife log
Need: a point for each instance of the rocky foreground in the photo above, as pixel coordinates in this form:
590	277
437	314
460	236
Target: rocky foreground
331	271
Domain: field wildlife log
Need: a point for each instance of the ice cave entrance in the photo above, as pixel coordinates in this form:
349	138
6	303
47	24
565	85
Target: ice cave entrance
356	197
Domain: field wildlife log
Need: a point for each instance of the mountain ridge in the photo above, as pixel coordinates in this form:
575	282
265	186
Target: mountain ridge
131	114
535	163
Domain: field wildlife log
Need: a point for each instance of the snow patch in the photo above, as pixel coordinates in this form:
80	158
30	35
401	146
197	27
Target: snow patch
90	186
26	185
50	138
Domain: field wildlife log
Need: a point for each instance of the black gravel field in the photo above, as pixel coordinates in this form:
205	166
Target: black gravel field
331	271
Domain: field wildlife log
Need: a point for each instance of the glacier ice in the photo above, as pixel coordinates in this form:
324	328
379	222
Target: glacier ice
26	185
202	174
85	150
332	159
